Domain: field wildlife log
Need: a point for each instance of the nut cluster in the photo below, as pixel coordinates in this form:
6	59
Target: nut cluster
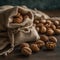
19	17
49	42
47	26
46	30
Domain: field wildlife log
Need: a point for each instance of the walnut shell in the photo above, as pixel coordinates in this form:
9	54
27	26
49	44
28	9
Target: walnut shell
36	21
58	27
43	21
44	38
53	39
57	31
40	25
43	29
35	48
47	25
26	51
40	43
50	45
50	31
24	45
18	20
49	22
53	27
56	22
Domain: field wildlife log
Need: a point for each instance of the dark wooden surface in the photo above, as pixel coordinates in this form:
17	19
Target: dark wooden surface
43	54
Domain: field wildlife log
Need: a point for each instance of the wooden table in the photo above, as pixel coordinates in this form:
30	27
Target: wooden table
43	54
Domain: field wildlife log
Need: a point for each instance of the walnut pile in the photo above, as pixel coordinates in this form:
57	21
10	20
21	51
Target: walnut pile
48	42
47	26
47	29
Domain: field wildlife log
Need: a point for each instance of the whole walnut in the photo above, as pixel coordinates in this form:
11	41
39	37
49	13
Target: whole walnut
57	31
58	27
35	48
49	22
36	21
18	19
24	45
42	29
43	21
47	25
56	22
50	45
53	39
53	27
26	51
44	38
50	31
40	25
40	43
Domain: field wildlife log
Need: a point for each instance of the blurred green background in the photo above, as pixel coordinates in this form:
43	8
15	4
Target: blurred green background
39	4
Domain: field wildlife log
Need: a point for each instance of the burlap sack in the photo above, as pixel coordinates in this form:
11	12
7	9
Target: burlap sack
17	33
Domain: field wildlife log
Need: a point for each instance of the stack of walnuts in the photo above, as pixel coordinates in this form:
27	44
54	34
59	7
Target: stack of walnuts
46	28
44	42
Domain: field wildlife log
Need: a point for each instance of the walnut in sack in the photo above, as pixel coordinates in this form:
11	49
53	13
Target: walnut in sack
17	19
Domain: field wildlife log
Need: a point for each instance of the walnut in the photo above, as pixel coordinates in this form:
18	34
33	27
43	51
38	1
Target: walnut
57	31
47	25
50	45
58	27
24	45
56	22
43	21
50	31
53	39
35	48
18	19
42	29
40	43
26	51
36	21
53	27
44	38
40	25
49	22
